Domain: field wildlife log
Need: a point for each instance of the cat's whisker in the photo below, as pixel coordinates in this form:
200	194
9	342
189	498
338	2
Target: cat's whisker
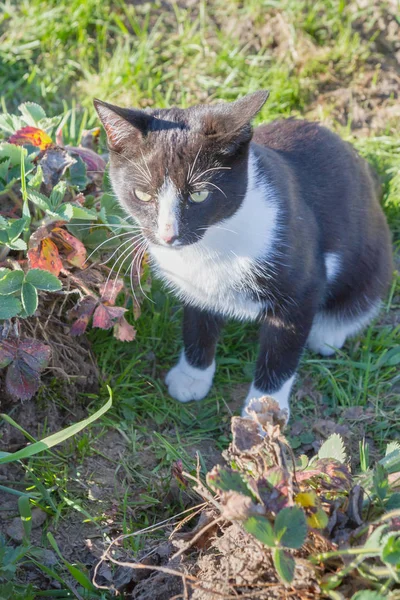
131	274
137	251
105	242
136	165
191	169
139	278
208	171
217	227
119	247
127	251
87	227
145	163
206	183
141	179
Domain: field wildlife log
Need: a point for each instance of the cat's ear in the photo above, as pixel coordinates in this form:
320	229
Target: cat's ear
123	126
231	122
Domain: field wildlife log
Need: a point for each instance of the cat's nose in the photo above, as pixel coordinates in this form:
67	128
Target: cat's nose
169	238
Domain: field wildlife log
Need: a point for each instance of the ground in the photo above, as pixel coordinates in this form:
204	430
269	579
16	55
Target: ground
333	61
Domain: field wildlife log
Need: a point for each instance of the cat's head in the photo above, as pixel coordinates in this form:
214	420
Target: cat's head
178	171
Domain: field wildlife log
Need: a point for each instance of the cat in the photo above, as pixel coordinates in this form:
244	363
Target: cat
281	225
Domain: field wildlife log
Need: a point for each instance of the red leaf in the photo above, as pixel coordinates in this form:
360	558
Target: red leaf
83	311
44	255
21	380
110	290
94	162
32	136
76	250
8	351
123	331
90	138
54	162
28	358
34	353
101	318
105	315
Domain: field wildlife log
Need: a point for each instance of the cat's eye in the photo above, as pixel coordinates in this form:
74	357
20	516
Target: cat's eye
143	196
199	196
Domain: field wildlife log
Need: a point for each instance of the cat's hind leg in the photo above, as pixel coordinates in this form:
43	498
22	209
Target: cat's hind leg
331	329
191	378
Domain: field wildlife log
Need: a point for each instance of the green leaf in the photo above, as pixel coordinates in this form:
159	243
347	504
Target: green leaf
16	228
227	480
77	174
64	212
39	199
290	527
83	213
380	481
367	595
9	307
4	165
29	297
391	461
393	502
4	272
25	512
32	113
57	194
10	123
17	244
333	448
261	528
392	447
374	540
11	283
57	438
284	565
78	575
36	180
13	152
391	550
43	280
391	358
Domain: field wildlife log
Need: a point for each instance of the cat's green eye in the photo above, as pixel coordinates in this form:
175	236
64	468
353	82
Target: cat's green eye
199	196
143	196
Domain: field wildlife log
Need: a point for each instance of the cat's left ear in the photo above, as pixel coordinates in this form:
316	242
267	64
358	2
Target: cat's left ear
231	121
124	126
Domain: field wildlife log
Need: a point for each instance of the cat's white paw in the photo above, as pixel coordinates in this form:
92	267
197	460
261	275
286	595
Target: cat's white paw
187	383
281	396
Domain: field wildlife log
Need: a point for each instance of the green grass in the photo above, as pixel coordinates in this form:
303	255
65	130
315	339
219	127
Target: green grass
62	54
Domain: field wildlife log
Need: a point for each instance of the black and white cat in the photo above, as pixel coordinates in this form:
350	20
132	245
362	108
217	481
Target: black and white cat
281	225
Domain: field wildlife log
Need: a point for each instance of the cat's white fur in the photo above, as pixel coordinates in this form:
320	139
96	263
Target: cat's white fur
210	273
332	265
281	396
189	383
168	215
329	333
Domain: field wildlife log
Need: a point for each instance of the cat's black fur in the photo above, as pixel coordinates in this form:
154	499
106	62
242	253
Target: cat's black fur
328	218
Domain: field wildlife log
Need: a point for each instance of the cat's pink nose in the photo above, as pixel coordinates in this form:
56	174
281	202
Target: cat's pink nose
169	238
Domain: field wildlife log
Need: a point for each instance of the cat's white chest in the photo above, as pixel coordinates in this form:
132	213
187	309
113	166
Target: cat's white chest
208	280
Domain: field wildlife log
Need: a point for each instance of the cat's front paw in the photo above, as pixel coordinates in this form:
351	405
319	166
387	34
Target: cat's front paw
255	398
187	383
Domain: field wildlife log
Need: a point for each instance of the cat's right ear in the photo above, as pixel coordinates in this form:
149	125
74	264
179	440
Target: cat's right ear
123	126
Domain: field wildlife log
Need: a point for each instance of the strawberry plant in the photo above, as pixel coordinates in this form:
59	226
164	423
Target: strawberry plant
295	505
58	221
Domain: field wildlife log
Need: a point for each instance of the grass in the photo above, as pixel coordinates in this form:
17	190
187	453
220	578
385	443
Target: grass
62	54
